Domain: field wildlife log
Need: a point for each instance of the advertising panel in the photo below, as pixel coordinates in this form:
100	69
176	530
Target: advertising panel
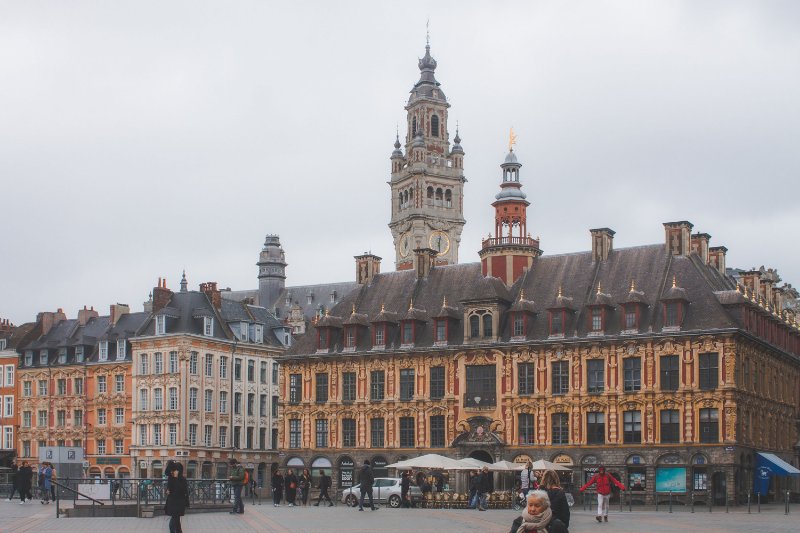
671	479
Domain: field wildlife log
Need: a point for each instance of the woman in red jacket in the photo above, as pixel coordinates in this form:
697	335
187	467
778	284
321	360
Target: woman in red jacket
603	482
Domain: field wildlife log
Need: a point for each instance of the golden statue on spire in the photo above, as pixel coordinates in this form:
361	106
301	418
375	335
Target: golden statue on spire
512	139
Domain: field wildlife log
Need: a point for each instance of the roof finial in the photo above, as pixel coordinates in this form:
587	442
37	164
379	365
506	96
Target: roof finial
444	301
598	287
382	308
559	291
411	304
512	139
674	281
633	285
184	283
521	294
428	33
354	310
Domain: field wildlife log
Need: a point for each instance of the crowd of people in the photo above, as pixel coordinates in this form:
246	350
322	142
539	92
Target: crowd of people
22	479
287	487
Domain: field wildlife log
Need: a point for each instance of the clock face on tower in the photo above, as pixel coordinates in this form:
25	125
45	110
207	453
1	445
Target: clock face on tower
440	242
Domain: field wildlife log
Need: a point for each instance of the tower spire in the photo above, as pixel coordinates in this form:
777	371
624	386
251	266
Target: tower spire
184	283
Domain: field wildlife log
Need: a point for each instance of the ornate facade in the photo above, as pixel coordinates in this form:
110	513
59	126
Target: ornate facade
655	360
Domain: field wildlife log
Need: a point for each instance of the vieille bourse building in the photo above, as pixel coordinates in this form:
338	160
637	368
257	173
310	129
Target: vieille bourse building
644	358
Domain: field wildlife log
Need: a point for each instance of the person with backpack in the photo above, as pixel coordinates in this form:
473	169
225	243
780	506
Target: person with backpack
237	478
366	479
290	489
604	482
277	488
305	486
324	484
527	479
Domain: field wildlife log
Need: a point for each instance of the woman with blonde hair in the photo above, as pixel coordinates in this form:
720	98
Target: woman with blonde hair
558	498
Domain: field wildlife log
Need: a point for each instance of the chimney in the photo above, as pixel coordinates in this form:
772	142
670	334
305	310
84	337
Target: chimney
678	236
602	243
716	258
210	289
700	245
50	319
117	310
423	261
85	314
161	295
367	266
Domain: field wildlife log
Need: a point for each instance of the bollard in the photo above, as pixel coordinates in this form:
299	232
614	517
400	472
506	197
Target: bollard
786	499
691	500
748	502
710	501
726	501
620	500
656	501
630	502
670	501
758	499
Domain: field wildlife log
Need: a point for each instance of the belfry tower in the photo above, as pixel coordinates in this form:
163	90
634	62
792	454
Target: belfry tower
427	181
271	271
512	250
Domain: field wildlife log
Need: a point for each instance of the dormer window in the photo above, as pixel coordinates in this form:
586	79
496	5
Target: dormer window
43	357
380	336
408	332
102	351
596	320
674	306
309	299
350	338
258	333
3	344
481	324
29	358
244	329
161	324
79	354
121	345
441	330
62	355
557	320
519	325
333	297
208	326
672	314
631	317
323	339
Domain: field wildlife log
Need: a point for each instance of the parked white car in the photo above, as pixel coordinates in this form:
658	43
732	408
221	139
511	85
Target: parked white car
384	490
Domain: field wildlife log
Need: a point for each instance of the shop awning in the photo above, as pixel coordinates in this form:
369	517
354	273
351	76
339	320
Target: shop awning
776	464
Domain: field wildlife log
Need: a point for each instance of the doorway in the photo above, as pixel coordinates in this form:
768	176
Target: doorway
719	487
482	455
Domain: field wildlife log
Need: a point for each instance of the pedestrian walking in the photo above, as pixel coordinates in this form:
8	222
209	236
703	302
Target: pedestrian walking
604	481
486	488
474	488
45	478
558	498
177	498
53	478
238	479
13	479
366	479
290	482
527	479
277	488
537	517
24	482
324	485
305	486
405	490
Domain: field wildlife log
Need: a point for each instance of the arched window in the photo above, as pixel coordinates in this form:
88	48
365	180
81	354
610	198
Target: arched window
439	196
474	326
448	198
414	127
435	126
430	195
400	200
487	325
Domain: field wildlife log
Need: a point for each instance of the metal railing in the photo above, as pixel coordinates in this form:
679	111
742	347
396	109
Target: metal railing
77	493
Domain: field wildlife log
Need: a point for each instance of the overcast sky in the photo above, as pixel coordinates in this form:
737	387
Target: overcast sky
141	138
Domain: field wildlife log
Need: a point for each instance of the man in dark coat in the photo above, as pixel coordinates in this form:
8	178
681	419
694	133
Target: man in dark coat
237	479
13	479
177	498
486	487
366	479
24	481
324	485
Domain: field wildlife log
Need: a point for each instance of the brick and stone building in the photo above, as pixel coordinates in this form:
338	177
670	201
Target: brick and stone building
10	337
205	383
656	360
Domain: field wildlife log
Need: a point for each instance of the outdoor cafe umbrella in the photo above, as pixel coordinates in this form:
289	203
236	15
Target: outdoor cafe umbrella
506	466
431	460
541	464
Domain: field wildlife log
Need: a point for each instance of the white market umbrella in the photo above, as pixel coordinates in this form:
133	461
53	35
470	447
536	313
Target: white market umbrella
431	460
541	464
506	466
470	463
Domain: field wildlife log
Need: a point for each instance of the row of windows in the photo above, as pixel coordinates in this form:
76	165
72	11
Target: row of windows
632	427
74	386
101	417
172	402
172	367
669	374
167	435
120	350
377	428
161	325
377	389
481	326
7	375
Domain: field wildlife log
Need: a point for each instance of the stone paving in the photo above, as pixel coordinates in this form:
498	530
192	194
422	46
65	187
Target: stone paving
35	518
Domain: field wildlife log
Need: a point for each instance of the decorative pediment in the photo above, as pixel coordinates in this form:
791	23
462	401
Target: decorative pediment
437	410
667	403
485	357
632	405
525	408
479	430
593	405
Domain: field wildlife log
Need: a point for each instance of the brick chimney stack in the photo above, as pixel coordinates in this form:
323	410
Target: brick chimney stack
117	310
752	281
161	295
85	314
602	243
5	327
424	259
700	245
50	319
678	237
716	258
367	266
210	289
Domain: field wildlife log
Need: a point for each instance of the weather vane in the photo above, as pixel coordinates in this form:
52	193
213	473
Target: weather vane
428	32
512	139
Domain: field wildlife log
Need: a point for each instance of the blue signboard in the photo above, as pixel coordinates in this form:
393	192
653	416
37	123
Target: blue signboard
671	479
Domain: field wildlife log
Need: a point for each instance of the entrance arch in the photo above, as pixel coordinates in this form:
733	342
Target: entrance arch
482	455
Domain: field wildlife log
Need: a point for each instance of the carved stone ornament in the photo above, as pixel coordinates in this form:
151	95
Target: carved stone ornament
479	430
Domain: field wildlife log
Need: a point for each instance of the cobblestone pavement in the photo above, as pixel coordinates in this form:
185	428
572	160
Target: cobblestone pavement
36	518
